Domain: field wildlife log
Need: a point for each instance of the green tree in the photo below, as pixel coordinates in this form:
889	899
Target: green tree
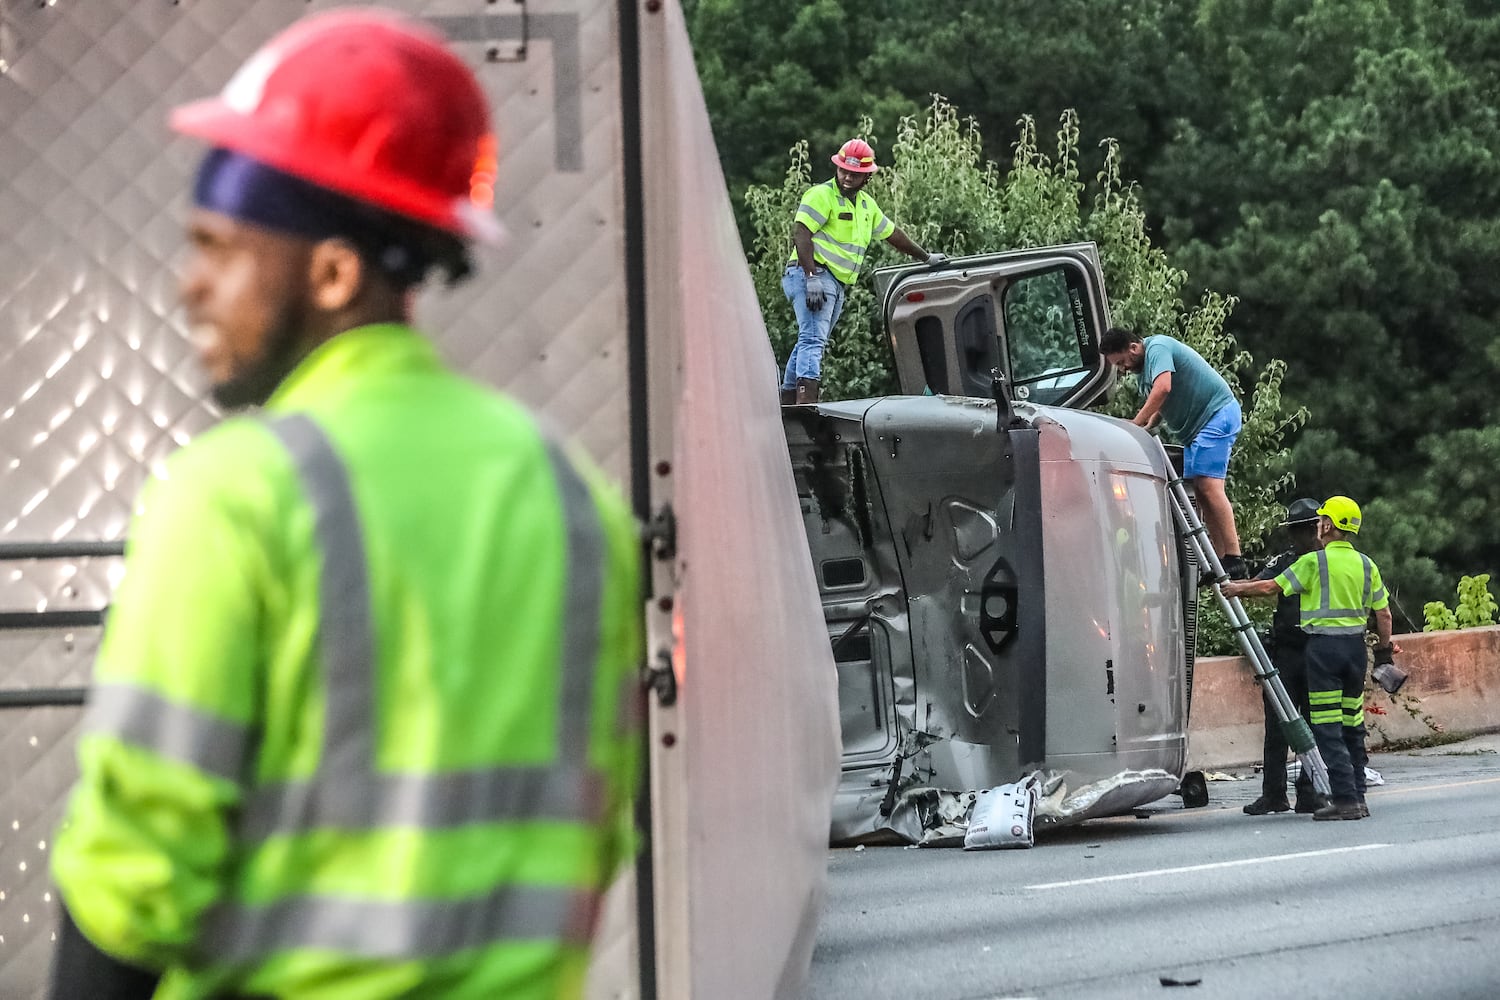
1340	172
776	70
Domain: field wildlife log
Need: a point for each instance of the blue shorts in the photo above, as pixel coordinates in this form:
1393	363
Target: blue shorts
1208	455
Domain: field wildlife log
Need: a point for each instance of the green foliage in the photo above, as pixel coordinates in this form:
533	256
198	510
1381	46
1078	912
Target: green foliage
1439	617
1216	635
938	186
1338	170
1476	607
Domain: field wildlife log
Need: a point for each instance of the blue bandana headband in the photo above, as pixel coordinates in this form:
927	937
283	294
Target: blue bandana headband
235	185
246	189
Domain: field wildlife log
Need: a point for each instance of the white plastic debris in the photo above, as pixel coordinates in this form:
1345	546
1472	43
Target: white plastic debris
1372	777
1002	816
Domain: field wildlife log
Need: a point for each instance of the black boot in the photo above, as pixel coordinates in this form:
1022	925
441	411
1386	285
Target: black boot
788	397
807	390
1267	804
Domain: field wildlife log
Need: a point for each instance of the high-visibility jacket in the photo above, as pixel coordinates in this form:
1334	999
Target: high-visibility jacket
842	229
1339	587
359	725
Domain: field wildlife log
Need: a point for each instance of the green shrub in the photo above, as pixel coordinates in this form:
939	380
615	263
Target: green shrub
1476	607
1439	618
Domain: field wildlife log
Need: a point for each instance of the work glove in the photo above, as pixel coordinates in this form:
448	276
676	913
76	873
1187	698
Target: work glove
1389	676
816	296
937	259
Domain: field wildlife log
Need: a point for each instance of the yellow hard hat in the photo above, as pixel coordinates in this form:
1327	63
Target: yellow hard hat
1343	512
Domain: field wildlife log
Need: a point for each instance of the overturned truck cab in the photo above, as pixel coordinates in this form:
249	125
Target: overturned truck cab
1005	589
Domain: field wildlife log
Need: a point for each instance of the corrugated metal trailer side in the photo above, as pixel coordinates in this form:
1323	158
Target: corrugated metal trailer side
610	278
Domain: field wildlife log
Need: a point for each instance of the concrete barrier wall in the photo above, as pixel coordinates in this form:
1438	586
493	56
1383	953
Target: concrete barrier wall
1454	684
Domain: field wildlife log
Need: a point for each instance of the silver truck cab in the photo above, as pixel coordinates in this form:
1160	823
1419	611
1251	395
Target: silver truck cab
1004	587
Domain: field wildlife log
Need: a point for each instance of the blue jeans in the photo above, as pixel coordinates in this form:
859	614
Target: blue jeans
813	328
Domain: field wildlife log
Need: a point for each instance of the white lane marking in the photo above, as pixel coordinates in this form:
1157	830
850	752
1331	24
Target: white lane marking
1203	868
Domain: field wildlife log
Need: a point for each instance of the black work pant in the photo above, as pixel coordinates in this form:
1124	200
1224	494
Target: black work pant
1291	665
1336	702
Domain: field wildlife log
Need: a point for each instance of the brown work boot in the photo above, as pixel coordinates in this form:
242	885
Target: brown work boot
788	397
1267	804
807	390
1348	809
1364	810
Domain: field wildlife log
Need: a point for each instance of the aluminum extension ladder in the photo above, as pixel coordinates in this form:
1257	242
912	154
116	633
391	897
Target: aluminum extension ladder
1295	728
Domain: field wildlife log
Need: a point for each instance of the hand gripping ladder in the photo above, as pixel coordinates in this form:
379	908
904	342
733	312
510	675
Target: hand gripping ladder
1295	728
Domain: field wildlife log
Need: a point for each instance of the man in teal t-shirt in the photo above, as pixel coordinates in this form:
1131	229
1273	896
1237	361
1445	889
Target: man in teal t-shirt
1193	402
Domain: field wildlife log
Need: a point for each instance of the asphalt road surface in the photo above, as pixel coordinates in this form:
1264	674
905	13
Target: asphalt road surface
1193	903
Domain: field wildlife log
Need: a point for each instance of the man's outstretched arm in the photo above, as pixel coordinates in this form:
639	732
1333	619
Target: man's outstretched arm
1150	411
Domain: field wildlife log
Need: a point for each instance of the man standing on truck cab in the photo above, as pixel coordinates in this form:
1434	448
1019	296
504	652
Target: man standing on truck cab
1338	588
1193	402
358	724
835	223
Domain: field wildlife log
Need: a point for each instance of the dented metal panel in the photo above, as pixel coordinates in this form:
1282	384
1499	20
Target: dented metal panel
1022	598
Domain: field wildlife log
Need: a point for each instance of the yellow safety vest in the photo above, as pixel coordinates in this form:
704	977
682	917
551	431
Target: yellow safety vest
1339	587
842	230
359	725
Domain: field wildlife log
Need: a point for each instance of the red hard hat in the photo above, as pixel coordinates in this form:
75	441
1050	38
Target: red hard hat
856	155
367	103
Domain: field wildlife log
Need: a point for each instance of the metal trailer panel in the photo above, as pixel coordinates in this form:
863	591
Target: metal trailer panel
1017	598
97	387
97	384
746	762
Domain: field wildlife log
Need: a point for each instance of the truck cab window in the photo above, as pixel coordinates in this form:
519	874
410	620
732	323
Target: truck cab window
1046	336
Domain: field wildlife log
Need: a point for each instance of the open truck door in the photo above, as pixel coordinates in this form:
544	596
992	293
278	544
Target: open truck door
1036	315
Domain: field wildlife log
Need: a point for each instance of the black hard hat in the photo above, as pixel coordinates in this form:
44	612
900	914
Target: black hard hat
1302	511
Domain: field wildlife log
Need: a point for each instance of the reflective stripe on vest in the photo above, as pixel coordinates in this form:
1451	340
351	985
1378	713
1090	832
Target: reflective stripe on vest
346	792
143	718
848	256
402	929
1324	612
811	213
